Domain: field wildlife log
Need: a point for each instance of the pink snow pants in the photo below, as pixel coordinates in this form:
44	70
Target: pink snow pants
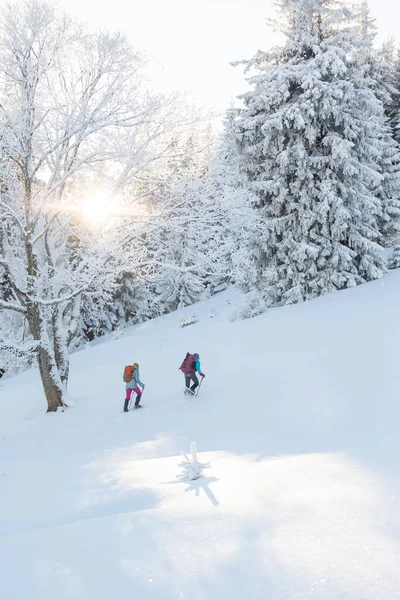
129	393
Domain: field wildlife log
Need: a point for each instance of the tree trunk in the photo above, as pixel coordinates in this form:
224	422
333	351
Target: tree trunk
65	324
53	391
62	362
61	354
50	376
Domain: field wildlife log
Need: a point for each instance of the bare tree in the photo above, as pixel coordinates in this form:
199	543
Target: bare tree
75	113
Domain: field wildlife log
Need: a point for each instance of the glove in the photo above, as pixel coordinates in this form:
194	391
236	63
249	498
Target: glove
143	386
202	375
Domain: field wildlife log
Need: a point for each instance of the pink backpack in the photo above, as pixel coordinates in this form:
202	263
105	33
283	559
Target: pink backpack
189	364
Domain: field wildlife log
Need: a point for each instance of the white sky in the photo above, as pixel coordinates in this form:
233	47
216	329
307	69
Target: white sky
194	40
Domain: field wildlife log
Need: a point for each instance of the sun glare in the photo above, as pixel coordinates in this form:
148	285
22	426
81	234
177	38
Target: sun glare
97	208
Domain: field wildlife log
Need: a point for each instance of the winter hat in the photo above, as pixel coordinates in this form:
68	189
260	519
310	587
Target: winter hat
136	365
196	355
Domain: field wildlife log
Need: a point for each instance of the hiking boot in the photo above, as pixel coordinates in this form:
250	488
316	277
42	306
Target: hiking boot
126	405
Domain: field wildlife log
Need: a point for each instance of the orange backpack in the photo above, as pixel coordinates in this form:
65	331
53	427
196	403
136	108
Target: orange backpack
128	373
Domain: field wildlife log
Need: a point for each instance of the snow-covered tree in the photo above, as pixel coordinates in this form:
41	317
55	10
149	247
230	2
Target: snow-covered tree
310	134
181	261
389	71
207	218
388	67
376	67
394	258
157	287
240	227
75	112
136	301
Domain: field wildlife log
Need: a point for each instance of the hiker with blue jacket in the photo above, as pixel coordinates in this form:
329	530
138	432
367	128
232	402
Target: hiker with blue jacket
189	367
132	380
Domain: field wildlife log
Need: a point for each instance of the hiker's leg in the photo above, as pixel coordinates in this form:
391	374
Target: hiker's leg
138	393
193	377
187	380
127	398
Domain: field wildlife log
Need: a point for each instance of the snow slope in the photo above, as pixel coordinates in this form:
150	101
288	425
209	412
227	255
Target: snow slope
298	417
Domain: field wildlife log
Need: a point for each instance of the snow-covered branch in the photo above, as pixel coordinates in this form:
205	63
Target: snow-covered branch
23	348
12	306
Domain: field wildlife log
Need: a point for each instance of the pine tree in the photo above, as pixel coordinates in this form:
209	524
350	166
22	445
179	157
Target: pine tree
395	106
180	276
308	135
377	68
238	230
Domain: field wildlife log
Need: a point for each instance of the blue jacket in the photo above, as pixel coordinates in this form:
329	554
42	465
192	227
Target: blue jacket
197	365
135	381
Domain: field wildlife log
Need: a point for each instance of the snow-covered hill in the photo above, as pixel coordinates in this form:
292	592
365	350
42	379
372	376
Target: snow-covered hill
299	419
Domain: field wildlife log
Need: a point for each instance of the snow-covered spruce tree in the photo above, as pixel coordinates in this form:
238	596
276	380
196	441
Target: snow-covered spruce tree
239	227
8	322
205	215
390	59
309	134
177	277
181	265
388	190
394	113
73	105
133	300
377	68
394	258
387	75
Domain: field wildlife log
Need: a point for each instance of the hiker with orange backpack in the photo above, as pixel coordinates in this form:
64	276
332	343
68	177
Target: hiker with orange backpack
132	380
190	365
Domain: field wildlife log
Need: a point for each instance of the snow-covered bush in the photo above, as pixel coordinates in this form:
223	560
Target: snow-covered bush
186	321
192	468
252	304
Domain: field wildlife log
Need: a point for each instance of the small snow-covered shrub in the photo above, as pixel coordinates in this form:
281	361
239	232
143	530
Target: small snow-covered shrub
252	305
117	334
192	468
188	321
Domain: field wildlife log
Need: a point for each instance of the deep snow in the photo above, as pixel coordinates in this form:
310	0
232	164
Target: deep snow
298	418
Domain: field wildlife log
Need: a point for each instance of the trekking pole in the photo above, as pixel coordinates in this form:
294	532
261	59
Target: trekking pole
198	389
